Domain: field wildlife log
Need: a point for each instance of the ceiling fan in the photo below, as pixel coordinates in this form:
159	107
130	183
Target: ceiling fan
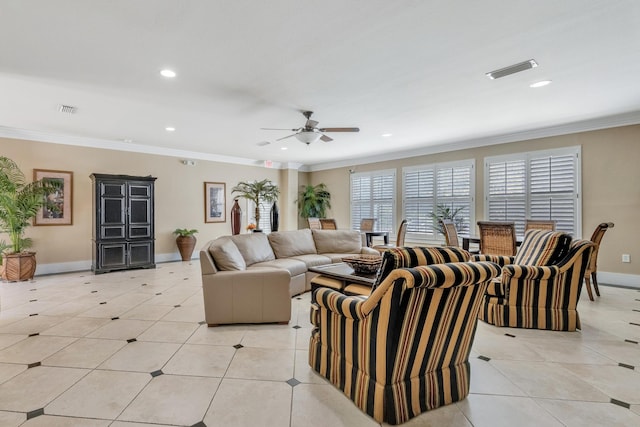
310	132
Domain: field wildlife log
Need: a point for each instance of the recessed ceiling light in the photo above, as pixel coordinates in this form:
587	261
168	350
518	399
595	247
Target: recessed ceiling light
170	129
168	73
284	148
386	135
127	140
540	83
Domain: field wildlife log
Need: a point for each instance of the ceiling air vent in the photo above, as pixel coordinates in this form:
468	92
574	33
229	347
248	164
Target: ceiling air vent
512	69
68	109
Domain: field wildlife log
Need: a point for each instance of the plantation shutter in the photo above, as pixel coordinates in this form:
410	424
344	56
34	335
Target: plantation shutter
535	185
373	196
418	195
425	188
454	191
507	192
553	189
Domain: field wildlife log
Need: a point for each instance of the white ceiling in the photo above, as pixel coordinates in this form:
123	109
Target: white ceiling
413	68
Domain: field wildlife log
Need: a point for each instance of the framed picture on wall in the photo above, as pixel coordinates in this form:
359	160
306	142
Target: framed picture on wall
215	204
58	209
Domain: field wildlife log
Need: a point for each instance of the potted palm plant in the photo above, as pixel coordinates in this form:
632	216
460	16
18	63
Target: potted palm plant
446	212
186	242
258	192
313	201
20	202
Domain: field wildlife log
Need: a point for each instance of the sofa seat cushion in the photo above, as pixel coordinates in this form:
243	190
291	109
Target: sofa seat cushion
226	255
337	241
313	260
286	244
254	247
293	266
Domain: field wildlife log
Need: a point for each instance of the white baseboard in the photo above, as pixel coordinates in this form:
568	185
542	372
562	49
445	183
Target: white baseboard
629	280
68	267
604	277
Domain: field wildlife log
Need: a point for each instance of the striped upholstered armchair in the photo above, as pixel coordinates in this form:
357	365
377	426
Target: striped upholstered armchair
540	287
404	349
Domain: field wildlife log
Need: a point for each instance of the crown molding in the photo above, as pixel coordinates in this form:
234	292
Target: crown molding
626	119
107	144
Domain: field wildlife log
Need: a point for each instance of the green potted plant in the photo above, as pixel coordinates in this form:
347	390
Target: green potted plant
446	212
313	201
186	242
20	202
258	192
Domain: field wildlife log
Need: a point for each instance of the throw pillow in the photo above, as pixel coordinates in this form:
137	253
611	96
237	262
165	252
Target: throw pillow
226	255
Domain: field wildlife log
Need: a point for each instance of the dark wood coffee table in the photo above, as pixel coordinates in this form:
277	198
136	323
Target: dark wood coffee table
341	277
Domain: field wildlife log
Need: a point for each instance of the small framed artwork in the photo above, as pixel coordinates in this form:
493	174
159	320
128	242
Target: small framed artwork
58	209
215	204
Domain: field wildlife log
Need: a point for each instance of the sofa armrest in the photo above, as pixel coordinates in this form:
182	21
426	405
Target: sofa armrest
337	303
529	272
257	295
368	251
501	260
207	265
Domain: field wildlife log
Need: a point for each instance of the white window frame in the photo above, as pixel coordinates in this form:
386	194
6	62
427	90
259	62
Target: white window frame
528	197
433	235
379	225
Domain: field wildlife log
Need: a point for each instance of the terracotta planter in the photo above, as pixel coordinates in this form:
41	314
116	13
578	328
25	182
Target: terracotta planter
18	267
186	244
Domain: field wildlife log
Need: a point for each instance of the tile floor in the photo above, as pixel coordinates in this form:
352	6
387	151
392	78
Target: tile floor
129	349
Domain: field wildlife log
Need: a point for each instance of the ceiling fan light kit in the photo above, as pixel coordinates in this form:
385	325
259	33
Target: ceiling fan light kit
310	133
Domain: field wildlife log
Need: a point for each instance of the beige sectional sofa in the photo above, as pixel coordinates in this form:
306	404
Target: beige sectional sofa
250	278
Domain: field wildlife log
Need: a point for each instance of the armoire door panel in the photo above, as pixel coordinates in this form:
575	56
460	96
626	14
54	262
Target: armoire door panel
139	211
112	211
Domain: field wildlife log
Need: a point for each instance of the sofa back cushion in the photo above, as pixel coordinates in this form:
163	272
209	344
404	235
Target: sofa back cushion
254	247
337	241
226	255
286	244
541	247
405	257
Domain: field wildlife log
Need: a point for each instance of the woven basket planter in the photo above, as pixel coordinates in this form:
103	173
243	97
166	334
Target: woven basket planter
18	267
186	244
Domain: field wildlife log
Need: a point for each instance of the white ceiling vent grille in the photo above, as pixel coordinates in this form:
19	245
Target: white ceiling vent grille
512	69
67	109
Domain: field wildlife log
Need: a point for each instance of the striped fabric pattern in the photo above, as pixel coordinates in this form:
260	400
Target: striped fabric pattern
405	257
404	349
501	260
544	297
541	247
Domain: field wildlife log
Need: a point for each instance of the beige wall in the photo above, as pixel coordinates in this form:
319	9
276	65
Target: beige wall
610	185
179	201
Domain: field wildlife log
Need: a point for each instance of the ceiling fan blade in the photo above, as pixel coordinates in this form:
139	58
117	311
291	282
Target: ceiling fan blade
325	138
285	137
339	130
311	123
292	130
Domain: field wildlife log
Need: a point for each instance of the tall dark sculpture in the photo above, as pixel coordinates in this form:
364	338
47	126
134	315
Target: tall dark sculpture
236	216
275	216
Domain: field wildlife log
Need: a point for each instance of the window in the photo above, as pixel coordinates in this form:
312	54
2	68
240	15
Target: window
265	215
535	185
373	196
447	185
